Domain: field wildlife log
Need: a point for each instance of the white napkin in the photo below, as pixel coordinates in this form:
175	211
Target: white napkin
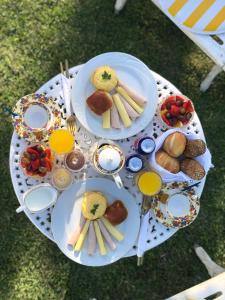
205	159
141	244
65	93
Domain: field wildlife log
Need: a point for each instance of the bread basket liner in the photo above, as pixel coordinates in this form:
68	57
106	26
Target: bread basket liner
205	159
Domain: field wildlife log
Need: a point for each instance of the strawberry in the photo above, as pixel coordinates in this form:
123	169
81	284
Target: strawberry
163	106
180	97
175	110
42	174
48	164
47	152
171	99
30	173
24	162
32	151
35	164
165	120
188	106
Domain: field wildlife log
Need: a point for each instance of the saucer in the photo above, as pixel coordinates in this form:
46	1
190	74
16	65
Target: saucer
172	215
35	117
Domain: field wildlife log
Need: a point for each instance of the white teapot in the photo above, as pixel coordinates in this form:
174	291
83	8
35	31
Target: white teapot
108	159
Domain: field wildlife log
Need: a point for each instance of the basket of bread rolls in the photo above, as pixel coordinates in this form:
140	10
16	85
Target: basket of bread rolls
180	156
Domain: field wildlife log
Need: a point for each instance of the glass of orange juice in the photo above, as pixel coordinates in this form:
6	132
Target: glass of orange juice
148	182
61	141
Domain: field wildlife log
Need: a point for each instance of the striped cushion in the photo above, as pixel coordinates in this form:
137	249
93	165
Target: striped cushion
201	16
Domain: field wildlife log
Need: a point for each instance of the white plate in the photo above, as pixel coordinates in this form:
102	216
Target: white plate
66	216
133	73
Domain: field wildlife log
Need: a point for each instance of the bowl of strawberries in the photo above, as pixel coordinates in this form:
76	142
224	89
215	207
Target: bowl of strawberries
176	111
37	161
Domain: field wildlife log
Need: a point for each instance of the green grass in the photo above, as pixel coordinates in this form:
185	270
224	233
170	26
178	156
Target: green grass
35	36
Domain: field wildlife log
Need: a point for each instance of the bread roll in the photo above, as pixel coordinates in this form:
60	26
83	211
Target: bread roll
194	148
192	168
99	102
167	162
175	144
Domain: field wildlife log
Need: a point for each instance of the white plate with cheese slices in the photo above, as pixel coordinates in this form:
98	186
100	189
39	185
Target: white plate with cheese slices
134	74
66	217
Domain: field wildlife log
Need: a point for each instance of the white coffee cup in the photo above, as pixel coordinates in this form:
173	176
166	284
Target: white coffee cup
38	198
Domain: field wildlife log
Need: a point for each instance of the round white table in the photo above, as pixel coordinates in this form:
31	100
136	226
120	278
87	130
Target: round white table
157	233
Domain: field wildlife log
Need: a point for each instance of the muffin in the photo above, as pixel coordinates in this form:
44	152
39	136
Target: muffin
104	78
192	168
93	205
194	148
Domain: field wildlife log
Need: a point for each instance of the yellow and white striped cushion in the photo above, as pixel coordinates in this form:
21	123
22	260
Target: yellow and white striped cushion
201	16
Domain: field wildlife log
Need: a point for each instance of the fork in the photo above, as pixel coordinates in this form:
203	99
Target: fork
71	119
144	210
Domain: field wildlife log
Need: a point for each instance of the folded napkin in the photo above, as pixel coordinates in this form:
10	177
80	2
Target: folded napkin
65	93
141	244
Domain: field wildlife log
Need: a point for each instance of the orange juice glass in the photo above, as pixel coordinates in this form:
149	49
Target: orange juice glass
61	141
149	183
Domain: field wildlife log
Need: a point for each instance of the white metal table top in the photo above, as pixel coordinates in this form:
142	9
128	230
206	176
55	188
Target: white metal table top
157	233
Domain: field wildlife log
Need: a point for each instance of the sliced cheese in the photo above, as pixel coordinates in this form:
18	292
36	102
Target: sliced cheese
102	248
122	111
112	230
106	119
83	234
135	106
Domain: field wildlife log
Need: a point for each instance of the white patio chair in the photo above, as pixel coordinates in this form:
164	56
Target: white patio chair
213	46
213	288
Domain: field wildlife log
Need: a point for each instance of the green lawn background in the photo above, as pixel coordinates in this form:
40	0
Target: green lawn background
34	37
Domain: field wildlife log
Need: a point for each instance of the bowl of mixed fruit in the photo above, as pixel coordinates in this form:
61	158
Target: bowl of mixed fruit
176	111
37	161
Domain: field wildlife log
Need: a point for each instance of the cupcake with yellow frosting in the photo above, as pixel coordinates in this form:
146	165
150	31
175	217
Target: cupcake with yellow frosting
93	205
104	78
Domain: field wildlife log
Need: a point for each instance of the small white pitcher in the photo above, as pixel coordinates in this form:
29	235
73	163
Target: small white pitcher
38	198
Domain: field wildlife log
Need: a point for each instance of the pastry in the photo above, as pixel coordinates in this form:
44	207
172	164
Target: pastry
167	162
93	205
194	148
115	118
133	94
106	123
175	144
112	230
79	244
101	244
99	102
106	235
131	101
192	168
129	109
91	239
116	213
104	78
122	111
